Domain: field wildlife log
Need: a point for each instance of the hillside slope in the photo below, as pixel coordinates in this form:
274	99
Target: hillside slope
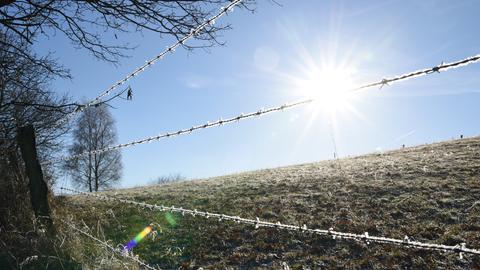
430	193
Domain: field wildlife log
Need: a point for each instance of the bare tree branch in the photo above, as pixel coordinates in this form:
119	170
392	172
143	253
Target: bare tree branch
86	23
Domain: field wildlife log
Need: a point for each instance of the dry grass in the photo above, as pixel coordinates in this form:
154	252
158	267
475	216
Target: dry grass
429	192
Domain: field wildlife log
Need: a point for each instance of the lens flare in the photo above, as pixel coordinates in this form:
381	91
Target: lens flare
170	219
132	243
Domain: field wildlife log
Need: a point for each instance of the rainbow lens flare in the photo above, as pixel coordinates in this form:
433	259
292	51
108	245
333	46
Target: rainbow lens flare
132	243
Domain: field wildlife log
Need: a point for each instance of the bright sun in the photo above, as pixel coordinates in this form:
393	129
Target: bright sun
328	87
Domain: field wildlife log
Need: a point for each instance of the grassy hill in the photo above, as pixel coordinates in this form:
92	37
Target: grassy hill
430	193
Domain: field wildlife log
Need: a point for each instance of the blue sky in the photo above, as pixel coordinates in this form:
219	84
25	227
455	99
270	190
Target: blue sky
264	51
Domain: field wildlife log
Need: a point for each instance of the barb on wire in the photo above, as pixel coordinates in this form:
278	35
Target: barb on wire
117	251
461	249
221	122
170	49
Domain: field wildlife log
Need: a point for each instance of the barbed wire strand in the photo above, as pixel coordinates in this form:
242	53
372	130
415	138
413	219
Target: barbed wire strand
460	248
442	67
219	122
118	251
422	72
170	49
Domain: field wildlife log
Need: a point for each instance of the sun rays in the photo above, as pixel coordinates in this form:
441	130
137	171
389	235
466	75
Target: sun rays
326	76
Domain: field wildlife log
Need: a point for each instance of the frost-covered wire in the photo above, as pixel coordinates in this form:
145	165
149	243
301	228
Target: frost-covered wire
118	251
422	72
461	249
219	122
170	49
260	112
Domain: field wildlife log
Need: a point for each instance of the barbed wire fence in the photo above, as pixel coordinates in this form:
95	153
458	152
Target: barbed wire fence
260	112
461	249
406	242
170	49
118	251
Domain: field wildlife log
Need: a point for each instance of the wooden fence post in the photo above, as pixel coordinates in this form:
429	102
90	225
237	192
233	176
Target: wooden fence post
36	184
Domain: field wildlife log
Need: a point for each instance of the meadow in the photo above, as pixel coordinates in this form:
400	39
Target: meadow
430	193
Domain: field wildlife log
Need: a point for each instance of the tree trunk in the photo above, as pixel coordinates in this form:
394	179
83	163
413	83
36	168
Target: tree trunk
96	172
38	187
96	183
90	173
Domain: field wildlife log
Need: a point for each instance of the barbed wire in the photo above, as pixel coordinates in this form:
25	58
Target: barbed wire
406	242
381	83
219	122
117	251
422	72
170	49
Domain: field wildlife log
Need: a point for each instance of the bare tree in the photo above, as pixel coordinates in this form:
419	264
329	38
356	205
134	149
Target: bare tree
95	129
89	23
98	27
25	98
